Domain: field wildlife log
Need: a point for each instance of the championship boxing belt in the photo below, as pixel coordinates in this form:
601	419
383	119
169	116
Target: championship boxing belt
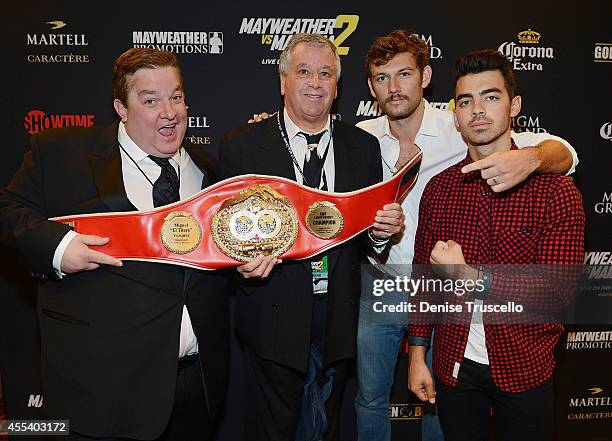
233	221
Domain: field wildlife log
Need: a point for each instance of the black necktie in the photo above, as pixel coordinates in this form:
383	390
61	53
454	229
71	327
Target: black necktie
313	166
166	188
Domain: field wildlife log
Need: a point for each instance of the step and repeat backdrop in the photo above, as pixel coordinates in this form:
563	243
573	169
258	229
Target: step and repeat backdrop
57	61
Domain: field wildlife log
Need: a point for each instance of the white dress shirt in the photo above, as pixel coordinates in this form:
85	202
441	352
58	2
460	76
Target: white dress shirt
299	147
442	146
140	193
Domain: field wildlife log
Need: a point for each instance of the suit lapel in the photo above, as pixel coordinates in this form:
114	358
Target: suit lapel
105	166
274	154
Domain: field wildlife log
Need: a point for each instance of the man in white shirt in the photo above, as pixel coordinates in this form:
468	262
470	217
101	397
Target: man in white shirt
130	349
398	72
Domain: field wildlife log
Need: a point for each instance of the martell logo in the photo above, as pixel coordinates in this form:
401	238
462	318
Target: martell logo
603	53
276	32
57	40
180	42
527	123
57	24
36	121
405	412
594	399
198	122
527	48
606	131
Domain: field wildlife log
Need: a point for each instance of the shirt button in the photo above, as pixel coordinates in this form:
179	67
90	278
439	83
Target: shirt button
275	306
485	194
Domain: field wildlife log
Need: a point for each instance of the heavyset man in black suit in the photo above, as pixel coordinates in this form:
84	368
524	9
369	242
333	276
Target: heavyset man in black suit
120	354
279	315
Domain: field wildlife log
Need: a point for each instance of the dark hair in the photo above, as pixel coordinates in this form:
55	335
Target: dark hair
135	59
396	42
485	60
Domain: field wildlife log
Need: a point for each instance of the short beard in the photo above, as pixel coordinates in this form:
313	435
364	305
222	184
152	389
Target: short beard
403	113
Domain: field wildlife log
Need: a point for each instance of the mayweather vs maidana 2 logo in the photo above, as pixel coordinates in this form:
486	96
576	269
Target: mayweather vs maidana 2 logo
523	55
56	46
276	32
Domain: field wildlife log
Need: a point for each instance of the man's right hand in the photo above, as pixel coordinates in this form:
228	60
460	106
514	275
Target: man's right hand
420	381
79	257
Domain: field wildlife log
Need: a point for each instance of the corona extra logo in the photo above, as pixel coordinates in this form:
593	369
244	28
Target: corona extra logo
529	37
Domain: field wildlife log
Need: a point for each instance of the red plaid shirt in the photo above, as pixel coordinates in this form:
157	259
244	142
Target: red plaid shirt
541	221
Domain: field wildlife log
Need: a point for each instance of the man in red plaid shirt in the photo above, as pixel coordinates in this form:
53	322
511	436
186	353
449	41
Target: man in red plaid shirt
463	225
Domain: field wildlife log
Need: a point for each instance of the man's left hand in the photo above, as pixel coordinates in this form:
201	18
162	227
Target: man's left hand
388	221
504	170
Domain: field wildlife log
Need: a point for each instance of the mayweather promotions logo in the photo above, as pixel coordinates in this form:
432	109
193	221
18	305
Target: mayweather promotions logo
527	54
55	46
275	33
603	53
589	340
180	42
36	121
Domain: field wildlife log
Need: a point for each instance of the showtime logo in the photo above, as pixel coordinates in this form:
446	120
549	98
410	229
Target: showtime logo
37	121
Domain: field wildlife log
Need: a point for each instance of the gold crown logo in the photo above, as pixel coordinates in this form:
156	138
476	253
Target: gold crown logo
529	37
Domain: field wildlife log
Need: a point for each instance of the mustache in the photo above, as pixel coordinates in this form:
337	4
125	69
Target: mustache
396	96
479	118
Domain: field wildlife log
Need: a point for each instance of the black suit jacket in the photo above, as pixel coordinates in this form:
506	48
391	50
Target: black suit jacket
273	315
110	336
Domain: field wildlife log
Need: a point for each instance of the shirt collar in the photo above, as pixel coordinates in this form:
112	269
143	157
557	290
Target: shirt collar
135	152
292	129
428	125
